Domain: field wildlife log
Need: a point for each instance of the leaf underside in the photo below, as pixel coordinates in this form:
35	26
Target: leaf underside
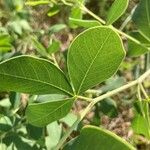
41	114
116	10
134	49
31	75
95	138
141	17
93	57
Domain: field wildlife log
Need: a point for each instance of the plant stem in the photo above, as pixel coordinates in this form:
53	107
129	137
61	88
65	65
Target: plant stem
83	113
92	91
68	132
91	13
144	92
126	35
84	98
54	60
67	3
82	7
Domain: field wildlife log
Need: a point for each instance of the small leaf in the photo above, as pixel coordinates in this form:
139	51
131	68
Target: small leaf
112	83
134	49
54	47
84	23
39	47
140	124
69	119
116	10
95	138
33	132
93	57
32	75
41	114
50	97
76	13
5	44
15	27
17	141
53	11
56	28
54	131
141	17
15	99
109	107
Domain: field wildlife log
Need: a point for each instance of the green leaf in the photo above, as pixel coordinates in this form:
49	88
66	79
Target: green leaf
140	124
93	57
39	47
84	23
56	28
41	114
5	102
53	11
4	128
32	75
95	138
69	119
134	49
18	141
5	124
54	131
49	97
34	132
109	107
112	83
16	27
54	47
76	13
15	99
141	17
116	10
5	44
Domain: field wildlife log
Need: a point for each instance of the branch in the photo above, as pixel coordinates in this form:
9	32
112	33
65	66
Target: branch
83	113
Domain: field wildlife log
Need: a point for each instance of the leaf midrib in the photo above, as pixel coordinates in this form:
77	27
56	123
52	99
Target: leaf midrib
93	62
34	80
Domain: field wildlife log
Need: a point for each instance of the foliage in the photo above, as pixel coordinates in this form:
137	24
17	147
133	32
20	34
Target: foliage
39	93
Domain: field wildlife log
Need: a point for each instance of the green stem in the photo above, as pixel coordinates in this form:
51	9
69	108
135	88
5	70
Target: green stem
82	7
54	59
83	113
144	92
96	92
67	3
126	35
84	98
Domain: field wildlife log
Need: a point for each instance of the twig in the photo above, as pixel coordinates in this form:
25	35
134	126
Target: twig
96	92
82	7
83	113
84	98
